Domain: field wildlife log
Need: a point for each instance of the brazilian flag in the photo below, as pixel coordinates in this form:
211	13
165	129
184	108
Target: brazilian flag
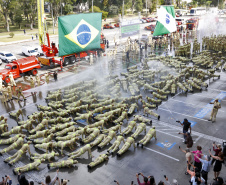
79	32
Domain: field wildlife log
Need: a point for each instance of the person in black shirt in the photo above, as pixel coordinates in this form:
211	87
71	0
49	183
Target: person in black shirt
186	125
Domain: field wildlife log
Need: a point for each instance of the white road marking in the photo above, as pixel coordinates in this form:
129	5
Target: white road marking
204	96
161	154
184	114
192	104
170	134
168	129
197	139
205	136
216	90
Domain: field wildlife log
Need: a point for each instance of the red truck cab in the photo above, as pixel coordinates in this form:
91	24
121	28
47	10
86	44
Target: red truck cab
26	66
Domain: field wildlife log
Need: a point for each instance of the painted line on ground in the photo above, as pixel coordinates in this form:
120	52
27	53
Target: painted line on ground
161	154
201	135
184	114
192	104
197	139
206	97
170	134
217	90
168	129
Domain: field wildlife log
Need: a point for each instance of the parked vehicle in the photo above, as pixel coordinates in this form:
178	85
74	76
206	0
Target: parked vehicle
108	26
150	27
117	25
39	50
142	21
20	67
192	24
29	51
50	54
7	56
144	37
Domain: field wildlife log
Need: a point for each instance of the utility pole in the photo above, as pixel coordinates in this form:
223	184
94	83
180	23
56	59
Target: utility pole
122	9
92	5
146	8
61	7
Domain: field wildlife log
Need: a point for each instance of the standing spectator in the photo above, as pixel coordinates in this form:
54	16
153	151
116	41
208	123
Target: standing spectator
216	150
55	75
188	140
198	153
218	181
24	32
36	36
186	125
51	182
146	182
168	183
152	180
4	180
216	106
32	37
188	158
107	44
206	163
218	164
195	176
22	179
127	56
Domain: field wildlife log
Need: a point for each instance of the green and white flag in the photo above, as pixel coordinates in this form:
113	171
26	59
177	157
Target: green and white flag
166	21
79	32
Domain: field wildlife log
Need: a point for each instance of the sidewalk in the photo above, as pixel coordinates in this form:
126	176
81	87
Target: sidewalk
19	41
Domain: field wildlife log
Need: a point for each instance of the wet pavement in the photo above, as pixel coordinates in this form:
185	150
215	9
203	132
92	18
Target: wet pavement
159	157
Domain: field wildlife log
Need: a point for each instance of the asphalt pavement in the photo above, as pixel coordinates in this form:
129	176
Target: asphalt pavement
159	157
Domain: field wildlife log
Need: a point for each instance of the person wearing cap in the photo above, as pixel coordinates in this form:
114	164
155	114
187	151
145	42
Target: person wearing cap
216	150
216	106
140	128
29	166
206	163
81	151
18	142
186	125
126	146
98	160
116	144
151	133
19	153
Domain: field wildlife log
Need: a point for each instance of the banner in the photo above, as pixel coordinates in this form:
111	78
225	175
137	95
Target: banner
79	32
130	27
166	21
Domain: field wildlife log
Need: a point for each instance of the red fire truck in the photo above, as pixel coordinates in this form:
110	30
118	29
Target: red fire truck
24	66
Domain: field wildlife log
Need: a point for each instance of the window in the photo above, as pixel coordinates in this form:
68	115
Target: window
14	67
7	67
8	55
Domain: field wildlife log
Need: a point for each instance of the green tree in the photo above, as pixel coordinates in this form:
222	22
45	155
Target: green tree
139	5
67	9
19	18
5	6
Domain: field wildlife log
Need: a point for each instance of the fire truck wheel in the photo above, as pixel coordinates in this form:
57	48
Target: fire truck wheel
7	80
66	61
72	60
34	72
